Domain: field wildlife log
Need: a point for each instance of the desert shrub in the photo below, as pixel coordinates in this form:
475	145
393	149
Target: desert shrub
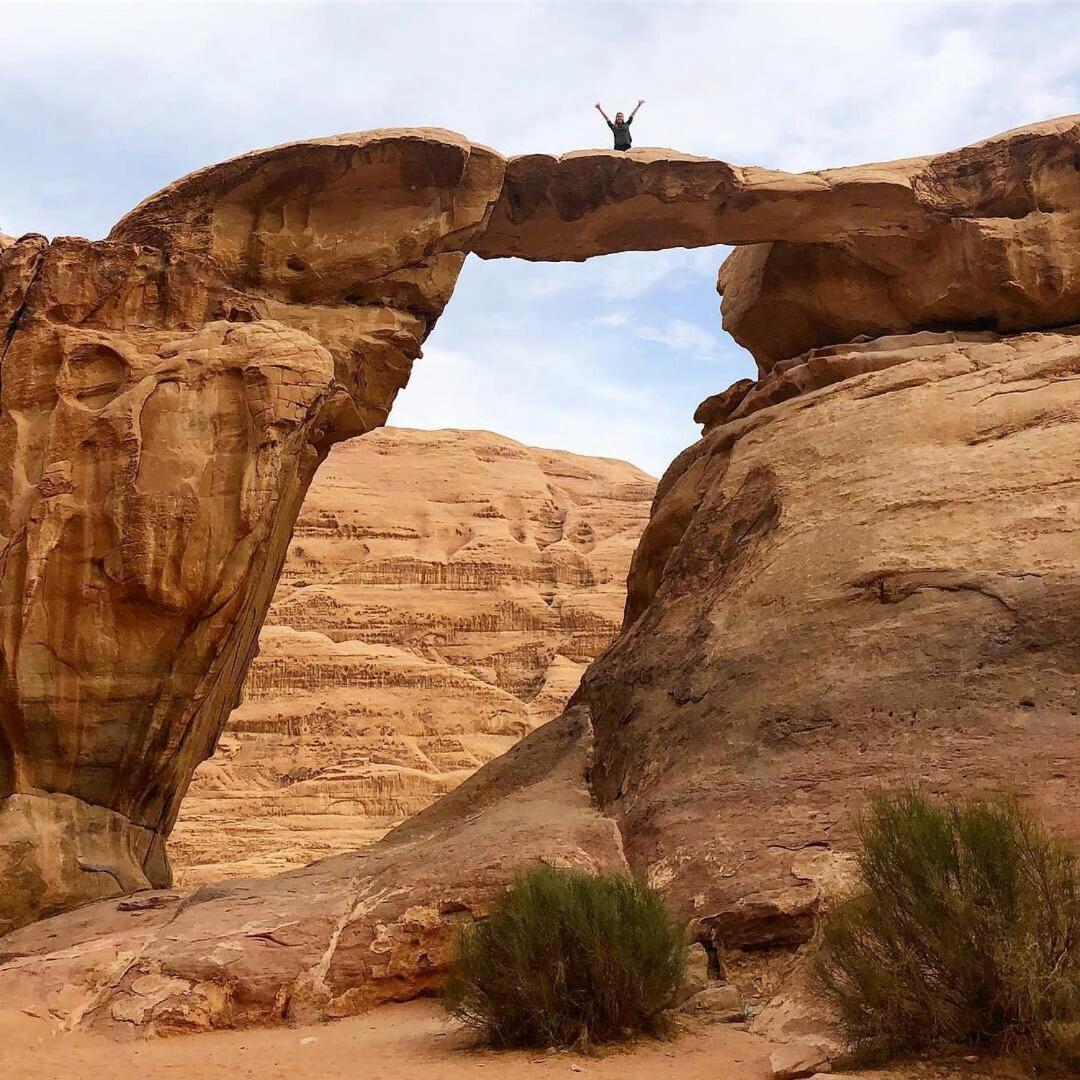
567	958
966	930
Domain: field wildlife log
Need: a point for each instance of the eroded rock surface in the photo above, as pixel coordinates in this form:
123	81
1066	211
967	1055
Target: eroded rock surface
863	574
979	238
167	396
869	584
996	250
330	939
441	598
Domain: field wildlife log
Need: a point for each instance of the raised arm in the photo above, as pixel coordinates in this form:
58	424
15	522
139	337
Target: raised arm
641	101
600	110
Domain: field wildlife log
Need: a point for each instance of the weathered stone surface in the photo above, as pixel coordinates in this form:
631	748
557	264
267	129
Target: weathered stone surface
443	593
696	973
798	1061
998	250
979	238
721	1003
167	395
796	650
333	938
797	1014
358	239
863	574
868	584
599	202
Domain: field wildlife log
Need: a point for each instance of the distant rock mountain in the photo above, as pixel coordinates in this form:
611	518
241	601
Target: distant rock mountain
442	596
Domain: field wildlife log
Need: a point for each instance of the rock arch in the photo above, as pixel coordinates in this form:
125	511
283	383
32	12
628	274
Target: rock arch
169	392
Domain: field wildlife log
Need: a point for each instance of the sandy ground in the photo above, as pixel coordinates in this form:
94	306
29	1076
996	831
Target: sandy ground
406	1042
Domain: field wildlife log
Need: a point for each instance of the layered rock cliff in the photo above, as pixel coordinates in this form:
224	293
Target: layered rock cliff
442	595
862	574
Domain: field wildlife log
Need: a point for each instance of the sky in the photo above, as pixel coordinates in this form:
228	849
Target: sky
101	104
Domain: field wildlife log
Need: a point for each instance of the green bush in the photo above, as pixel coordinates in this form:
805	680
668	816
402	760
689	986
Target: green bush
966	931
567	958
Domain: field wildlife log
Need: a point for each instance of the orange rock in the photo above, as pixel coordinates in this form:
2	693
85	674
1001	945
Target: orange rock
862	578
996	250
333	938
863	574
167	396
867	584
443	593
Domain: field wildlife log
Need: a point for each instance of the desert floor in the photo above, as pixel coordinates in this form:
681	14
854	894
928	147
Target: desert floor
406	1042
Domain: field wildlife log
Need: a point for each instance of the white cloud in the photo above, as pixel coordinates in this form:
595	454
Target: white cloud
682	335
798	86
612	318
631	274
555	397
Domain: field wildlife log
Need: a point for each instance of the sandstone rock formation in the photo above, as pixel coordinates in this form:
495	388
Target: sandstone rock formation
329	939
167	396
868	584
980	238
863	573
442	596
997	250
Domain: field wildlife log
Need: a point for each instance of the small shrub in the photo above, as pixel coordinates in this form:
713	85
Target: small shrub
567	958
966	931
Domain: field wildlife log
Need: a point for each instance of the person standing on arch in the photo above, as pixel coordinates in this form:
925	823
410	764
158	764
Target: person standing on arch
620	128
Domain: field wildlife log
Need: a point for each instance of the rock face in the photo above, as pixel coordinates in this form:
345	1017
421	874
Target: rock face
868	584
787	650
167	396
864	573
997	249
332	938
442	596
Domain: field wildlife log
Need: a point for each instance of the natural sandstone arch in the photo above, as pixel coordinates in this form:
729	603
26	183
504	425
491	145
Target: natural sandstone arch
168	393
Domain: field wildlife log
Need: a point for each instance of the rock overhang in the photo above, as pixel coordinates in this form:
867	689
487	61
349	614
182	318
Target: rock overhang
982	237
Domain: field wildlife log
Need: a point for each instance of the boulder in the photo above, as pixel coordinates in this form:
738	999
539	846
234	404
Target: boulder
797	1061
696	974
716	1004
